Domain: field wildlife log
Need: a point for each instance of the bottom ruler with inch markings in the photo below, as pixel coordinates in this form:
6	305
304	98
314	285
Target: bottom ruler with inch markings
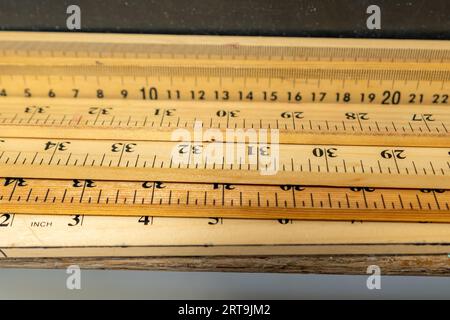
156	198
23	236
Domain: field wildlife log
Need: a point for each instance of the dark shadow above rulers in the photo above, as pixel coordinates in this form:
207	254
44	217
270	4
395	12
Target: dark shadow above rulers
421	19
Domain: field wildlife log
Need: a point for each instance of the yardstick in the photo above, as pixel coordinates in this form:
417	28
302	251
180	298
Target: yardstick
253	163
93	236
157	120
157	67
158	198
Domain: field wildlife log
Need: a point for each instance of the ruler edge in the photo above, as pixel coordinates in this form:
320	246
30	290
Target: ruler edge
218	39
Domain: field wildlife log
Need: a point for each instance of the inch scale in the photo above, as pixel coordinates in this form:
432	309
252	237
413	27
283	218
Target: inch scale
158	198
196	68
43	236
306	123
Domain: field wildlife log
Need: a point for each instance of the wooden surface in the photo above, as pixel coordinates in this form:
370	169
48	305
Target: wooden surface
435	265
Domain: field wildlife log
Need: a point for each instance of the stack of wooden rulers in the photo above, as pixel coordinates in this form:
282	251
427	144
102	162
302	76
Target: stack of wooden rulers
168	146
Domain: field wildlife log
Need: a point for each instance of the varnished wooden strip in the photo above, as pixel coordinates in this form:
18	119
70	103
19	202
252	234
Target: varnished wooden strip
222	200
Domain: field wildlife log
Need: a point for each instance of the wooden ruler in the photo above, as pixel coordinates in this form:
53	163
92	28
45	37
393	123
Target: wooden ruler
92	236
155	120
152	67
159	198
258	163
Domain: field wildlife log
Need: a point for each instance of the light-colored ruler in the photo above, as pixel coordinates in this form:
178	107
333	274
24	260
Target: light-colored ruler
152	67
270	163
24	236
157	120
158	198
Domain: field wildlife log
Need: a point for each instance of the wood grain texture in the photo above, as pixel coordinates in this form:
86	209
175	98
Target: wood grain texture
56	197
432	265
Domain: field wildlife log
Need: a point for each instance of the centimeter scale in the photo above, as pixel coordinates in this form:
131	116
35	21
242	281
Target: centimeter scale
143	67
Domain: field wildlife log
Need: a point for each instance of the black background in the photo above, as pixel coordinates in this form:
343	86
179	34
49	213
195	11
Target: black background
335	18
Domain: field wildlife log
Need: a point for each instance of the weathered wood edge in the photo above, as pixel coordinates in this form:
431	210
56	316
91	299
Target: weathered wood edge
433	265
